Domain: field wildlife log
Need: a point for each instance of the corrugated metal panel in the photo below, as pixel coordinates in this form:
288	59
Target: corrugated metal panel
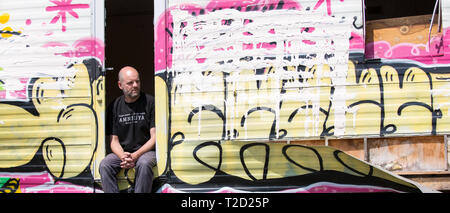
50	57
239	79
282	74
445	9
270	78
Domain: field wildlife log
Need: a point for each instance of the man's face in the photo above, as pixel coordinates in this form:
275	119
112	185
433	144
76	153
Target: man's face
130	84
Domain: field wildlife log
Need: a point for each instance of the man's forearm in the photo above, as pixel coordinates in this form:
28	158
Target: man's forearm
149	145
116	148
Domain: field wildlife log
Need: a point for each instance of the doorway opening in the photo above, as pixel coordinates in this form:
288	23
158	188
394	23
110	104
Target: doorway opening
128	42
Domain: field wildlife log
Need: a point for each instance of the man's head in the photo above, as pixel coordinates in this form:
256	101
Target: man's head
129	83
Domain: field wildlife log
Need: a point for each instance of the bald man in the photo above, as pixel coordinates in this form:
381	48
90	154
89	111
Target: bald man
131	126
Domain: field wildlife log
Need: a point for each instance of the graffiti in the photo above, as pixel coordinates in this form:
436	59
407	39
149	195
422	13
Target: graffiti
7	31
14	89
305	86
50	102
418	51
320	2
63	7
397	80
9	185
82	48
64	153
39	182
273	167
237	81
369	88
383	49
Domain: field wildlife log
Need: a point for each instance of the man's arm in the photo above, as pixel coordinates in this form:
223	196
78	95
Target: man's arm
149	145
117	149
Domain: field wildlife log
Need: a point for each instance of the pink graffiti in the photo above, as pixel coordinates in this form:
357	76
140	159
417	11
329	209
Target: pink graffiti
356	42
45	183
252	5
64	6
163	30
436	52
320	2
85	47
15	94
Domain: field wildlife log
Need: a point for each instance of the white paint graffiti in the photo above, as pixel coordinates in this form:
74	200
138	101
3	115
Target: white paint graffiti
235	42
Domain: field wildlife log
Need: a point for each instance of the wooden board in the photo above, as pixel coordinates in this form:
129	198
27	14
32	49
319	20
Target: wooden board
400	154
424	153
412	30
353	147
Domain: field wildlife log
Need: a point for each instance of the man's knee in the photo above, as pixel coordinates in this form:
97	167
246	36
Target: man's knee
107	164
148	161
102	165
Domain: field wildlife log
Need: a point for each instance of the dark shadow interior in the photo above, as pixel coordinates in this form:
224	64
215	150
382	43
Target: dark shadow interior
382	9
128	41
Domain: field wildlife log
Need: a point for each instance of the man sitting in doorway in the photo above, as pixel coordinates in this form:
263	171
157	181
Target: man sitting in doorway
131	126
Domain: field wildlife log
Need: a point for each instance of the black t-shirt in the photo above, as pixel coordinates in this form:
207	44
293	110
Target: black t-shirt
131	122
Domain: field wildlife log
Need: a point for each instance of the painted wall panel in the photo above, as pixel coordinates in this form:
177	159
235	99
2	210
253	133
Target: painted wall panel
288	63
51	92
409	154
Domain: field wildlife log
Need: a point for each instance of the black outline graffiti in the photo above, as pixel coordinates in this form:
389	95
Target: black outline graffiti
11	186
211	108
205	144
275	184
319	158
325	131
37	163
336	155
266	160
48	154
26	105
273	133
10	32
385	129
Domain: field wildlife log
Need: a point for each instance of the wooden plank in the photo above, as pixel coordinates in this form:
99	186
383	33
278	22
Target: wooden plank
436	182
402	37
420	153
411	29
422	173
405	155
446	151
309	142
353	147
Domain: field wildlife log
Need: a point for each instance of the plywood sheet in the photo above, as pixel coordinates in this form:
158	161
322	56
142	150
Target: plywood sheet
386	37
425	153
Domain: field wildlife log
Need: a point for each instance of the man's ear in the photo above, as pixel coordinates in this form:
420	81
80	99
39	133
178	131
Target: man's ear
119	84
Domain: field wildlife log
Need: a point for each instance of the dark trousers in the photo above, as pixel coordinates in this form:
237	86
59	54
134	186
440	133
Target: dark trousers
110	166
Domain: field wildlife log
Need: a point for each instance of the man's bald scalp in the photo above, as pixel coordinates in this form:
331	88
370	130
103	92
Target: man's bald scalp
124	70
